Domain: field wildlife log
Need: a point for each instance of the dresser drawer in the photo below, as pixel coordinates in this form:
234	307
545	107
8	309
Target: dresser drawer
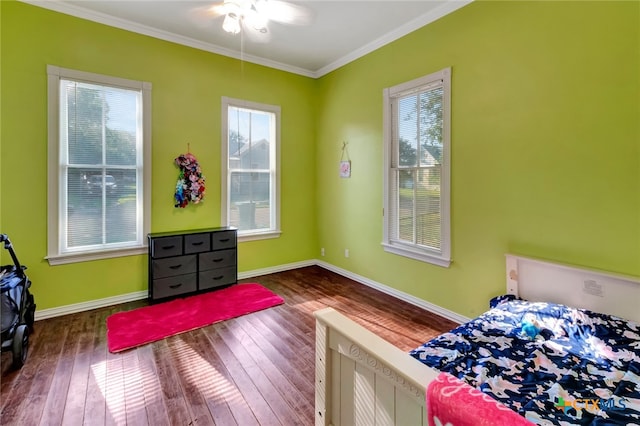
166	246
173	286
197	243
223	240
217	277
217	259
171	266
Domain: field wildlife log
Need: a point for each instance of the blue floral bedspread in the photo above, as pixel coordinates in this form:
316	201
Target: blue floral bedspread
551	363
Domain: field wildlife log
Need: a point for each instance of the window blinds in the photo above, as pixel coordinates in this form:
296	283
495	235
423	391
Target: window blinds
416	160
100	166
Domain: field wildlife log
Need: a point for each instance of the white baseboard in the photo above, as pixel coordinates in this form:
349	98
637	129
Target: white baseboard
450	315
87	306
274	269
139	295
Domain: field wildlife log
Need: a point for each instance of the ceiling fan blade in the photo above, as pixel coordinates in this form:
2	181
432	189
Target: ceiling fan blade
256	35
203	15
284	12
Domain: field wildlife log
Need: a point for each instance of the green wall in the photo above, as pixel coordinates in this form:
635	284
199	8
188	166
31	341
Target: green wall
545	145
187	88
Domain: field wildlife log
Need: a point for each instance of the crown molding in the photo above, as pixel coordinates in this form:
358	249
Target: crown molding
445	8
419	22
123	24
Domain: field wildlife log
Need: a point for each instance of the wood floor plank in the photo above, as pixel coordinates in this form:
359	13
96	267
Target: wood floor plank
243	384
26	402
59	389
256	369
281	345
12	378
95	409
249	338
114	391
134	397
212	384
190	368
73	413
153	399
278	404
225	388
173	395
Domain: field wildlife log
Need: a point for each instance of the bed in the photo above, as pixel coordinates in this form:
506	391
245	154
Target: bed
549	309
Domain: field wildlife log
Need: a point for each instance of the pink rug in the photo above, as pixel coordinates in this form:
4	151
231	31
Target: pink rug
126	330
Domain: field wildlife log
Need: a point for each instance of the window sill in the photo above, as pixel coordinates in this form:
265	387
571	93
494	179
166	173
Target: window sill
258	236
88	257
417	254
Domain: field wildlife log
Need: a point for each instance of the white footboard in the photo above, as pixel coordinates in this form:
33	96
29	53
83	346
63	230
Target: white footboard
361	379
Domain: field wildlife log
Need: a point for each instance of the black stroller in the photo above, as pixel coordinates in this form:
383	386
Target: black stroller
17	307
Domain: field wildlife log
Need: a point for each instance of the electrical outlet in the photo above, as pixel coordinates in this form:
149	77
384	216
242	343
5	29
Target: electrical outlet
346	252
322	251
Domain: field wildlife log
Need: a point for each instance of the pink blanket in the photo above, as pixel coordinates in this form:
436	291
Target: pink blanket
451	401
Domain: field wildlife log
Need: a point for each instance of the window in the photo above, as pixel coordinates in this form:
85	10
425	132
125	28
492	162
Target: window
417	170
250	168
99	166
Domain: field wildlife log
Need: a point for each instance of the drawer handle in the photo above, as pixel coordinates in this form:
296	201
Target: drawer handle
168	247
175	286
224	240
218	277
199	243
217	260
176	266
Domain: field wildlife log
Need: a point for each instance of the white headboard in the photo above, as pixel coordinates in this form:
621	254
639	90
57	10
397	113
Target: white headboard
545	281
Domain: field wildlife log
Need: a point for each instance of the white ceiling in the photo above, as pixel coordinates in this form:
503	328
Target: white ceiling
326	34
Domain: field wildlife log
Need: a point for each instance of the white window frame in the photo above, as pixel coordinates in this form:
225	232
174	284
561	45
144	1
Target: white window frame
440	257
275	231
56	203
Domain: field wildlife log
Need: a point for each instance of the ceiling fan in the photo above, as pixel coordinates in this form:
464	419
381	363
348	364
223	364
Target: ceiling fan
254	16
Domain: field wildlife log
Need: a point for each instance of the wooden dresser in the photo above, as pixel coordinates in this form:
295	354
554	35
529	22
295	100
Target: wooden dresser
188	262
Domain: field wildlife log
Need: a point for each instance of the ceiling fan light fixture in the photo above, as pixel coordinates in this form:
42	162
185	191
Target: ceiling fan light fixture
252	11
232	7
257	21
231	24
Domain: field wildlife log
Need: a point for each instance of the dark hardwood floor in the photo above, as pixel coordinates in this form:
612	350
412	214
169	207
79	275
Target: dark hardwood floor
253	370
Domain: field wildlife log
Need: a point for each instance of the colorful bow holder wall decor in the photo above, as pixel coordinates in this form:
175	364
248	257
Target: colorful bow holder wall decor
190	185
